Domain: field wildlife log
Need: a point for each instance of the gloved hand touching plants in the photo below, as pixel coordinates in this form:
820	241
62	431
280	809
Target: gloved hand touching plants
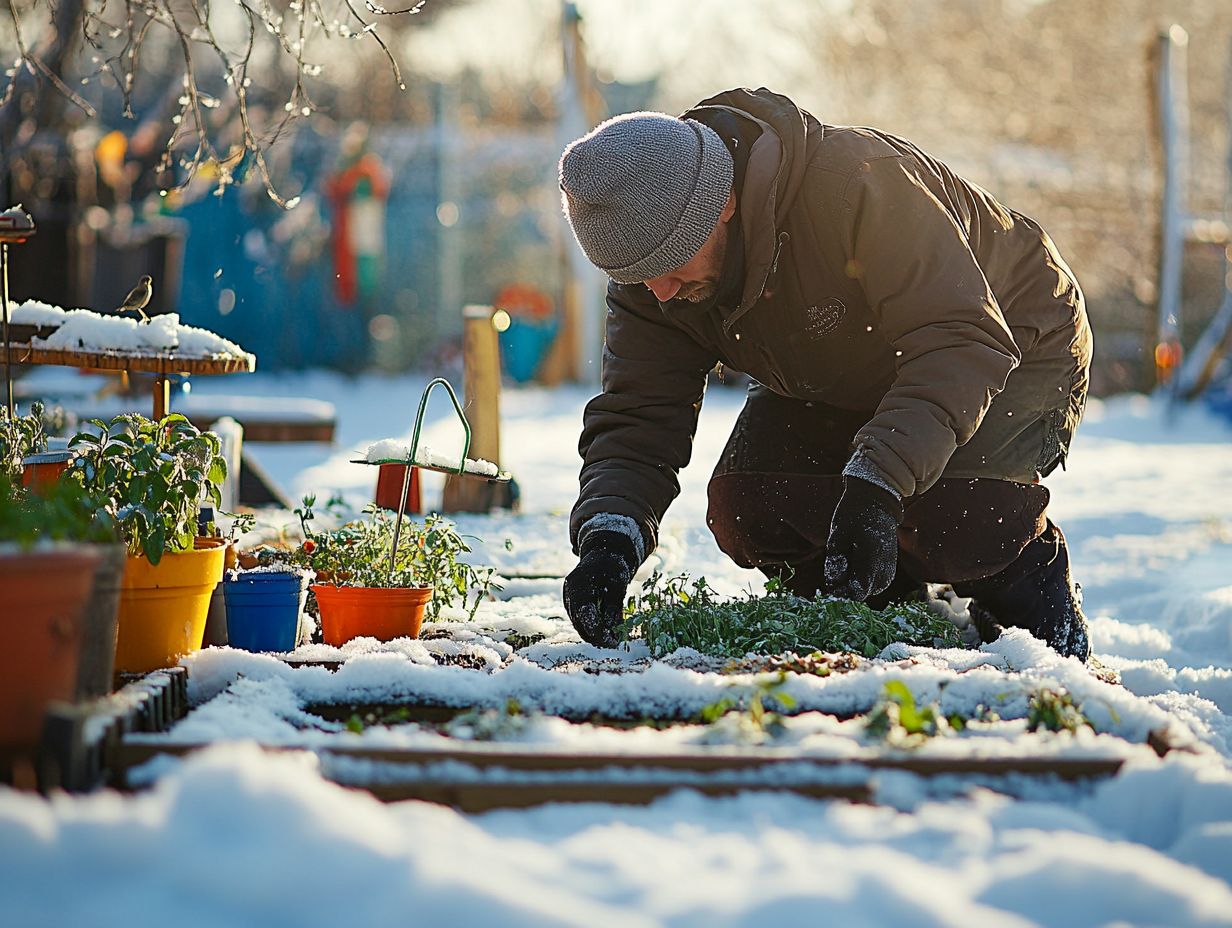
862	550
595	590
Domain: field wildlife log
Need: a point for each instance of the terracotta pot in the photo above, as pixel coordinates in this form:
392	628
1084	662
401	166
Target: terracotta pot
44	595
98	635
163	607
361	611
42	470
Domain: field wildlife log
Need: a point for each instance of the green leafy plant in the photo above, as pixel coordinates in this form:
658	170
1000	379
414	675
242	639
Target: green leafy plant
241	524
676	612
897	720
150	478
1055	710
62	511
20	436
752	704
357	553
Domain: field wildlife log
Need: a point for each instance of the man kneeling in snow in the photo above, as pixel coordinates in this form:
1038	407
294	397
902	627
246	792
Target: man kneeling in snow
920	355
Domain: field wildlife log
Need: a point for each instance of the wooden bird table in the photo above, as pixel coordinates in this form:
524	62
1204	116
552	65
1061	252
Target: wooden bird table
162	364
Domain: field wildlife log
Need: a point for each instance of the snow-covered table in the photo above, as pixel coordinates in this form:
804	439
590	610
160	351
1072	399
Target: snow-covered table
161	364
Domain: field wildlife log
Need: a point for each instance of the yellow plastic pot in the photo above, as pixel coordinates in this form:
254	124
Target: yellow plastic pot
163	607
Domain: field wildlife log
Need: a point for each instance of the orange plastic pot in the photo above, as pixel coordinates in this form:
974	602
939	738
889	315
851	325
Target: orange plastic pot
44	595
163	607
362	611
42	470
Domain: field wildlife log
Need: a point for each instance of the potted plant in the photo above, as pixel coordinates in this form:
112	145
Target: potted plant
20	437
151	478
264	607
24	453
366	587
264	602
51	546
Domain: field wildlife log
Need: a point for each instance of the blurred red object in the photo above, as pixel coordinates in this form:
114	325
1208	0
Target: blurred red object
389	488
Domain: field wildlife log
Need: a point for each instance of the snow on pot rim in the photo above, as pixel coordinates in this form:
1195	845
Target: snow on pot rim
266	573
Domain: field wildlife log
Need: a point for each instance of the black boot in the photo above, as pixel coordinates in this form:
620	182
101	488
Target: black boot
1035	592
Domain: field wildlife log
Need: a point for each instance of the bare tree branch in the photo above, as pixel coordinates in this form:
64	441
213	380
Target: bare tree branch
115	33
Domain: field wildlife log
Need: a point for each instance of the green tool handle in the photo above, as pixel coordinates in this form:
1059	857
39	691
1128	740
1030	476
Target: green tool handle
423	405
406	479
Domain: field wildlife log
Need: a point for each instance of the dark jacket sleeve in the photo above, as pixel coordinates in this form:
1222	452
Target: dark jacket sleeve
953	348
638	433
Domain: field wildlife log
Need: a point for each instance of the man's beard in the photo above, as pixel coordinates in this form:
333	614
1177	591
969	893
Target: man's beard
699	292
703	290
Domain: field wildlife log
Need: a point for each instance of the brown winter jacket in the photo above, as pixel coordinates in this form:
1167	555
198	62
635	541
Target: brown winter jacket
875	279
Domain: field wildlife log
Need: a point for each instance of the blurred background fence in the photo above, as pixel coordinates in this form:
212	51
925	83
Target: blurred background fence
414	203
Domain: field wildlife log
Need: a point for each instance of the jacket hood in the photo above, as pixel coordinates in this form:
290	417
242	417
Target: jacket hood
772	178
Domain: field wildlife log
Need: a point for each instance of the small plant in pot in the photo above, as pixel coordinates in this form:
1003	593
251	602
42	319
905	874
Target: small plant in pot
368	586
264	603
151	478
20	437
54	634
24	454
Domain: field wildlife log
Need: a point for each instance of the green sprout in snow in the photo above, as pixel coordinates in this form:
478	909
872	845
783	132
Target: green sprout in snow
1055	710
898	721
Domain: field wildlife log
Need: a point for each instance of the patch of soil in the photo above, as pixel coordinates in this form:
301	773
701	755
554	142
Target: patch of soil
462	659
817	664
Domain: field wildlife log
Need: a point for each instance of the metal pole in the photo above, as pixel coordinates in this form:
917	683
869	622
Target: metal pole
406	486
8	347
581	109
1213	344
1174	128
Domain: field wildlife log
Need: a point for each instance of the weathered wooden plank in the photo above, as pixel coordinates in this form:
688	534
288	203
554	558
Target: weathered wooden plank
484	797
487	756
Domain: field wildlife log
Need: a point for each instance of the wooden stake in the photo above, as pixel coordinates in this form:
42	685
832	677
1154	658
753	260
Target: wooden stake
481	374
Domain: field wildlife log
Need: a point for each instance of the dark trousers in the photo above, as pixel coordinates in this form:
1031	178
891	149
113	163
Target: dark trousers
778	481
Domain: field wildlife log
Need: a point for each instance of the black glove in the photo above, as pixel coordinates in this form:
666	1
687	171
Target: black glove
862	552
595	590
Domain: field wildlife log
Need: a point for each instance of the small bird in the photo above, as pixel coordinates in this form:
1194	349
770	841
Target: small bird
138	298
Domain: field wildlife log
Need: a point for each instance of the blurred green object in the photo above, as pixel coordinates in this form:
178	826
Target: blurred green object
62	511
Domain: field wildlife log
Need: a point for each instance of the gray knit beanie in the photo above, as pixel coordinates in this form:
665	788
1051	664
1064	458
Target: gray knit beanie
643	191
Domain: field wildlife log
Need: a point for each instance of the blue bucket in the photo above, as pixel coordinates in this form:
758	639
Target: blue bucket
263	609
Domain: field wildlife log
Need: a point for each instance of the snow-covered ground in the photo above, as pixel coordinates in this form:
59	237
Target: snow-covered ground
237	836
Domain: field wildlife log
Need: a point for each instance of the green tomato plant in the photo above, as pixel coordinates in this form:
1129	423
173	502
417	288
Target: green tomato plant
151	478
357	553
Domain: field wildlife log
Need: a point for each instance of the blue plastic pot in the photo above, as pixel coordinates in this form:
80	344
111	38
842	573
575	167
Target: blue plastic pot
263	609
524	345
